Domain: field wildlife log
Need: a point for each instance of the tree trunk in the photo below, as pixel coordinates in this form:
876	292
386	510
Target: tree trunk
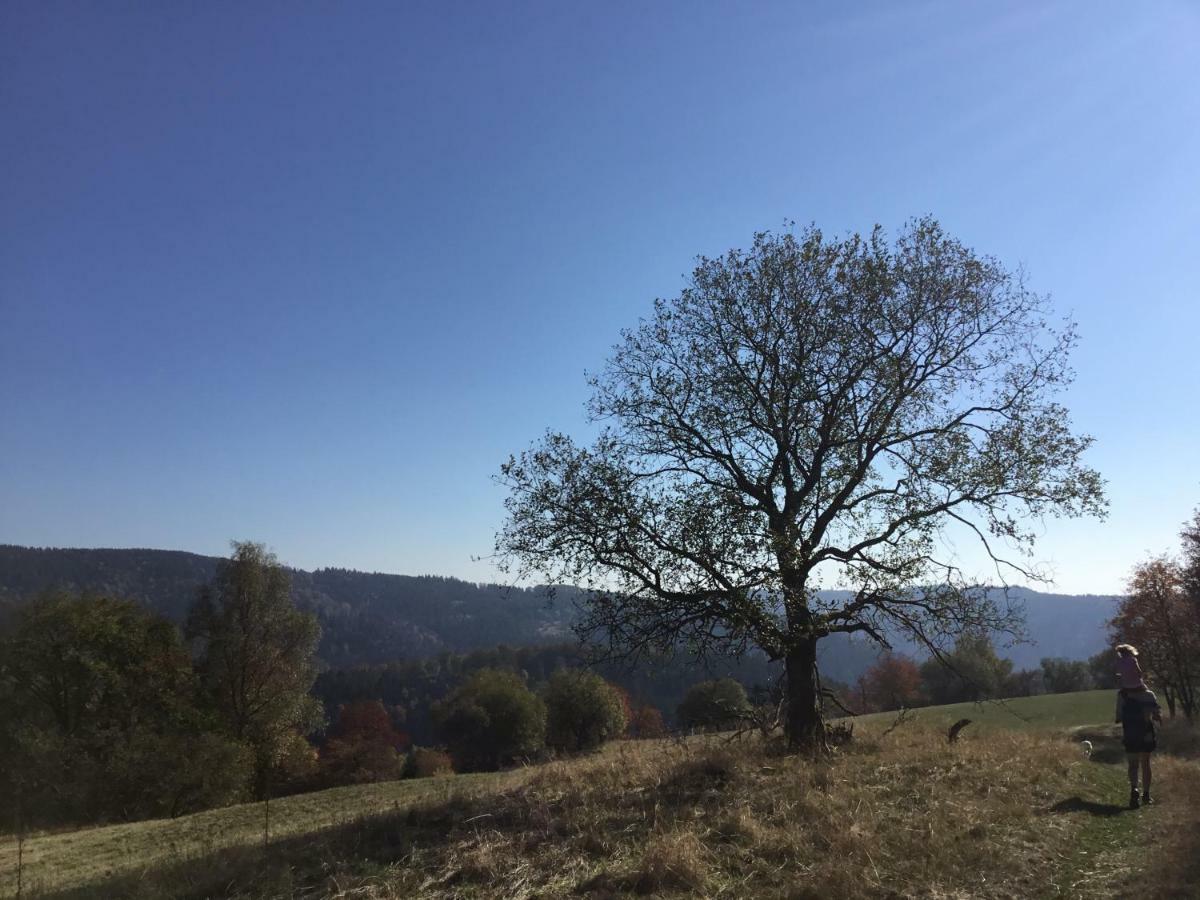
1187	701
804	729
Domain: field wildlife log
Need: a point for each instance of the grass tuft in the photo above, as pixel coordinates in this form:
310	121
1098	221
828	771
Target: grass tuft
672	862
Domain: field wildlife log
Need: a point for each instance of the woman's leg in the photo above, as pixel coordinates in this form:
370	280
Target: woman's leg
1133	770
1146	774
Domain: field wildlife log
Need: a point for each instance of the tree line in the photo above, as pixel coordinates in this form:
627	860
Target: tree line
409	689
971	671
111	712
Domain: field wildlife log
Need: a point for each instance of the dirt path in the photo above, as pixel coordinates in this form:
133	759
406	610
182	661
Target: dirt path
1119	853
1167	850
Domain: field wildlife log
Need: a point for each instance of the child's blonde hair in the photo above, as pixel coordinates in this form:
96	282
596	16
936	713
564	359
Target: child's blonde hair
1127	649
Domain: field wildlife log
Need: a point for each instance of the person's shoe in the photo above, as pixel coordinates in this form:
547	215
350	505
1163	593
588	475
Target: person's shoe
1146	798
1133	799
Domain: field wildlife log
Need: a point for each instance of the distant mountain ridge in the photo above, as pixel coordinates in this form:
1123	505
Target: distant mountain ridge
376	617
365	617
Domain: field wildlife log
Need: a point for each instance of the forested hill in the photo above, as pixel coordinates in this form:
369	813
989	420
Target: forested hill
374	618
365	617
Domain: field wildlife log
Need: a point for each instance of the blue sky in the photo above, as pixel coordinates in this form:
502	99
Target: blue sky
308	272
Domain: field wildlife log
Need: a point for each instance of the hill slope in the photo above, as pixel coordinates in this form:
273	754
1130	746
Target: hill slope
1010	812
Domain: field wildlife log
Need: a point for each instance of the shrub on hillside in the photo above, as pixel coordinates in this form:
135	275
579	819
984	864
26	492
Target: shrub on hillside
367	720
647	722
358	761
424	762
363	746
582	711
296	766
171	775
489	720
1177	737
714	704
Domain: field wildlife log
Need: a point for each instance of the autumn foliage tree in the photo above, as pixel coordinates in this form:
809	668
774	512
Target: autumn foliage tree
1160	618
363	745
809	411
893	682
646	722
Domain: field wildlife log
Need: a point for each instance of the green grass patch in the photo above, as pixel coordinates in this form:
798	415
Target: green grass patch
1049	712
59	861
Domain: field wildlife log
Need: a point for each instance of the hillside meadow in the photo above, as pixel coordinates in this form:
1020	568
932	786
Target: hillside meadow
1015	808
1048	712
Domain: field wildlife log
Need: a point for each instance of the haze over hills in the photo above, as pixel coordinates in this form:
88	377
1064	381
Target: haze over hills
375	617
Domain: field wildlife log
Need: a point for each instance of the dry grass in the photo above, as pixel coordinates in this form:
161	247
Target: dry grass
1169	851
912	817
998	815
75	859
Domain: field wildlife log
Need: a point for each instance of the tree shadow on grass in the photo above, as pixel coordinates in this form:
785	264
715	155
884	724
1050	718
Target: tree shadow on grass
291	864
1091	807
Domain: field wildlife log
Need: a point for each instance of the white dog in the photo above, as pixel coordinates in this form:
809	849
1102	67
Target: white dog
1087	747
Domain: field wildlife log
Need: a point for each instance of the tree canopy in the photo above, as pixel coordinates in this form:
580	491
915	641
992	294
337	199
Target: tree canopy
810	411
256	653
491	719
100	719
582	711
718	703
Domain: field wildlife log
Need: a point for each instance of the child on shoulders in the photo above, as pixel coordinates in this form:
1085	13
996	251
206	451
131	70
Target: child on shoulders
1129	673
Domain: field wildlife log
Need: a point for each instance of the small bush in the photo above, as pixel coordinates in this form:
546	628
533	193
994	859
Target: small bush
359	761
424	762
647	722
582	711
714	705
491	719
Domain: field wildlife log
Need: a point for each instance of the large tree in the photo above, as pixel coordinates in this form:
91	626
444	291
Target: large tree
256	653
810	412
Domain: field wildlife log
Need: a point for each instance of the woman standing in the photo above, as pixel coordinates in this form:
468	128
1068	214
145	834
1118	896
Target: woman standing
1137	711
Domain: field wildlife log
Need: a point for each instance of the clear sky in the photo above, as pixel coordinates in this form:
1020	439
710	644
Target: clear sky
308	272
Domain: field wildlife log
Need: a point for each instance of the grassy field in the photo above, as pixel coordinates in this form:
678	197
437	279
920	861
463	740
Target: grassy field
1013	809
1050	712
71	859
